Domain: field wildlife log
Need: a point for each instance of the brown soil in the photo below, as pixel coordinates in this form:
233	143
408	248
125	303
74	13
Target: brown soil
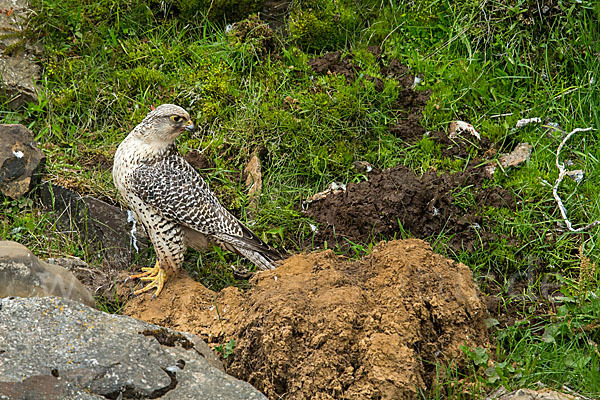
325	327
333	63
425	206
198	160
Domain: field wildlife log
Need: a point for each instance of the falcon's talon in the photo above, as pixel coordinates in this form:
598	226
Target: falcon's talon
148	271
157	277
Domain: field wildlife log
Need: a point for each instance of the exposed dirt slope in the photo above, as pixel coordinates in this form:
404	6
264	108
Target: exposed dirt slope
323	326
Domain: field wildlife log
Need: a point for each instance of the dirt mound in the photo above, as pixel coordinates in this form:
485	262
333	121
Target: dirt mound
333	63
322	326
424	206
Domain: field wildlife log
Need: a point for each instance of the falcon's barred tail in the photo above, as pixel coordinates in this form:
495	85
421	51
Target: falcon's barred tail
257	258
252	248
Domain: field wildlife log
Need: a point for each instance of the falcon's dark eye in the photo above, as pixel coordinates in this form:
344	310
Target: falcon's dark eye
177	118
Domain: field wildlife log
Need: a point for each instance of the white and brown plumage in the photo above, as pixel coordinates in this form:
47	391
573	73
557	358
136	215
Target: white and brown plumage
172	201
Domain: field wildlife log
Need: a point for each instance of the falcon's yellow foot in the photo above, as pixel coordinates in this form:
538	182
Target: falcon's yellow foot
157	277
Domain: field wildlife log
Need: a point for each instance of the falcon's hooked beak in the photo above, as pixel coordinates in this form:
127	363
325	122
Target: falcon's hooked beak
189	126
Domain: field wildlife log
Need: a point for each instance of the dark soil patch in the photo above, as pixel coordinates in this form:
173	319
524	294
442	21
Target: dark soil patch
407	125
410	103
198	160
333	63
396	70
397	199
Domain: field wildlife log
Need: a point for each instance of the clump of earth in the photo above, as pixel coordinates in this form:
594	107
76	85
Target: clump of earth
322	326
397	200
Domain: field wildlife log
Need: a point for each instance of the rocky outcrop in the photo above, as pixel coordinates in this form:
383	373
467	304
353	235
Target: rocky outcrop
22	274
58	349
20	160
18	71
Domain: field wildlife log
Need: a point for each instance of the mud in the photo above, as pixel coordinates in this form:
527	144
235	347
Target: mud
334	63
325	327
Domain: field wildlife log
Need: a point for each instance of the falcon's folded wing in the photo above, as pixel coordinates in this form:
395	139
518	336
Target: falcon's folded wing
176	190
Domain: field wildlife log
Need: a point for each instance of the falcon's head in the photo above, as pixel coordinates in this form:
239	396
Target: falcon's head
165	123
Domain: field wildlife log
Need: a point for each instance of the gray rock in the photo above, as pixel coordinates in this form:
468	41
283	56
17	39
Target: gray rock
12	21
22	274
18	71
20	160
103	226
77	352
18	74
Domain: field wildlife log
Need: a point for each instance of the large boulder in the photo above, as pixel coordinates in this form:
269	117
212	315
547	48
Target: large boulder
53	348
22	274
20	160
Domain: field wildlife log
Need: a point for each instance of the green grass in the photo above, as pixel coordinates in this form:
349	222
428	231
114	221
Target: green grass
488	63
